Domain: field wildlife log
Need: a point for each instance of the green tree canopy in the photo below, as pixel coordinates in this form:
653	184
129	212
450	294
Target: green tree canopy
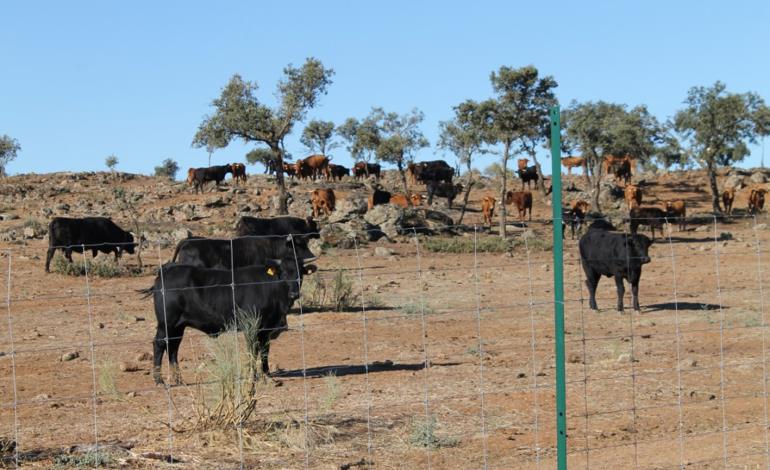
9	149
362	137
598	129
716	126
167	169
111	161
318	136
239	115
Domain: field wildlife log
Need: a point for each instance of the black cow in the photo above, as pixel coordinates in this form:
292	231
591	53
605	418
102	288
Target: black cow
247	251
362	170
286	225
618	255
623	171
447	190
216	174
201	298
650	216
432	171
528	174
378	197
338	171
96	233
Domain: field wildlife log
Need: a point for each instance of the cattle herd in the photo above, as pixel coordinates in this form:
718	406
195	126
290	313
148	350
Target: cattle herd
250	282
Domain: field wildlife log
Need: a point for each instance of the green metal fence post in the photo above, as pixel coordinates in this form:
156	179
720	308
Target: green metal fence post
558	291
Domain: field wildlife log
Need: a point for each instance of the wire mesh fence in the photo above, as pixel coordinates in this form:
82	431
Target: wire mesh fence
403	355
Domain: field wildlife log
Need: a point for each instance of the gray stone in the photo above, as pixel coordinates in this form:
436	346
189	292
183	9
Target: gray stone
180	234
383	251
761	227
758	177
70	356
734	181
9	216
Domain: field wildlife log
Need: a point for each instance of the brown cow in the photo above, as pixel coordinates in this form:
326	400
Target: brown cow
362	170
577	216
302	169
728	197
317	165
290	169
756	200
677	210
239	171
633	195
488	209
650	216
611	162
323	200
402	201
573	162
522	162
190	176
522	200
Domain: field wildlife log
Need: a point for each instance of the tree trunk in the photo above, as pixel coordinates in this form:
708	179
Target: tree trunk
467	193
283	196
540	179
597	185
712	171
209	158
503	189
400	165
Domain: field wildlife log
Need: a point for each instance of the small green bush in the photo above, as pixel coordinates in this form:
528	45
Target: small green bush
337	292
484	244
86	460
106	268
424	434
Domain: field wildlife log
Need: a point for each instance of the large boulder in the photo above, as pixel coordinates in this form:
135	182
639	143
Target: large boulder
347	235
347	209
734	181
758	177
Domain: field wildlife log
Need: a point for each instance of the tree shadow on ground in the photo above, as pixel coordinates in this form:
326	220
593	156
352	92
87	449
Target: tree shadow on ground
697	306
340	370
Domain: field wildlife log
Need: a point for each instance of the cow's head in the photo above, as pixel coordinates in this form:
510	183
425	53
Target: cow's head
289	271
638	247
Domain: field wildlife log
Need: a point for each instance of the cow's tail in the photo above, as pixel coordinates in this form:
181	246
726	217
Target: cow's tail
147	292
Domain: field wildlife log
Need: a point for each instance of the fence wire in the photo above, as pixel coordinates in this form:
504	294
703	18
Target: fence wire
441	361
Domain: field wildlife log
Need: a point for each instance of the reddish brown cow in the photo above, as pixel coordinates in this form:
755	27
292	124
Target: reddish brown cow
402	201
728	197
522	162
190	176
488	209
677	210
633	195
756	200
323	200
611	162
318	165
522	200
239	171
573	162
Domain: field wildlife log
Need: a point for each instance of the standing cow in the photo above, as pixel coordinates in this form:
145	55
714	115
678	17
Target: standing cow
94	233
617	255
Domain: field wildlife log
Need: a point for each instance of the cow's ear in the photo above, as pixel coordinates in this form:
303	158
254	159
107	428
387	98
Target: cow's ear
309	269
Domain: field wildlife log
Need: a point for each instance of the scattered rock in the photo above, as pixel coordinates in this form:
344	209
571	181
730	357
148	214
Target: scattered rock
145	356
42	397
8	216
758	177
128	367
734	181
761	226
70	356
624	358
383	251
180	234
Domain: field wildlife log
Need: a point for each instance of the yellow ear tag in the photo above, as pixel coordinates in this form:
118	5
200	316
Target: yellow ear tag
270	272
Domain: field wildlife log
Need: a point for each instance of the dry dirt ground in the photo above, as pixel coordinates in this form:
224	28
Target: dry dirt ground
459	351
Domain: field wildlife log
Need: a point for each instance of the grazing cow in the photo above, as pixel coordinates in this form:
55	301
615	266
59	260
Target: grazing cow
618	255
362	170
246	251
650	216
254	298
728	197
447	190
431	171
528	174
323	200
677	210
95	233
318	165
213	173
573	162
286	225
522	163
239	171
577	216
623	171
488	209
633	195
756	200
522	200
378	197
338	171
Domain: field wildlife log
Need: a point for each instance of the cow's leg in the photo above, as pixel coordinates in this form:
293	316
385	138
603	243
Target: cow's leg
592	281
174	340
635	293
48	257
68	254
621	291
158	348
263	348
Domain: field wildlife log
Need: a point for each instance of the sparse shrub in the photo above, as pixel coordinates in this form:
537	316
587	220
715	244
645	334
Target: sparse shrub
423	434
416	309
167	169
106	268
111	161
85	460
341	291
107	380
338	292
484	244
332	393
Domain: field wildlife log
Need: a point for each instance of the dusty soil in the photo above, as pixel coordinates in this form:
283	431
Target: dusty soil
682	382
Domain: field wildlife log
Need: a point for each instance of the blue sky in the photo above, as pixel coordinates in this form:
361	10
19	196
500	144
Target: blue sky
84	80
